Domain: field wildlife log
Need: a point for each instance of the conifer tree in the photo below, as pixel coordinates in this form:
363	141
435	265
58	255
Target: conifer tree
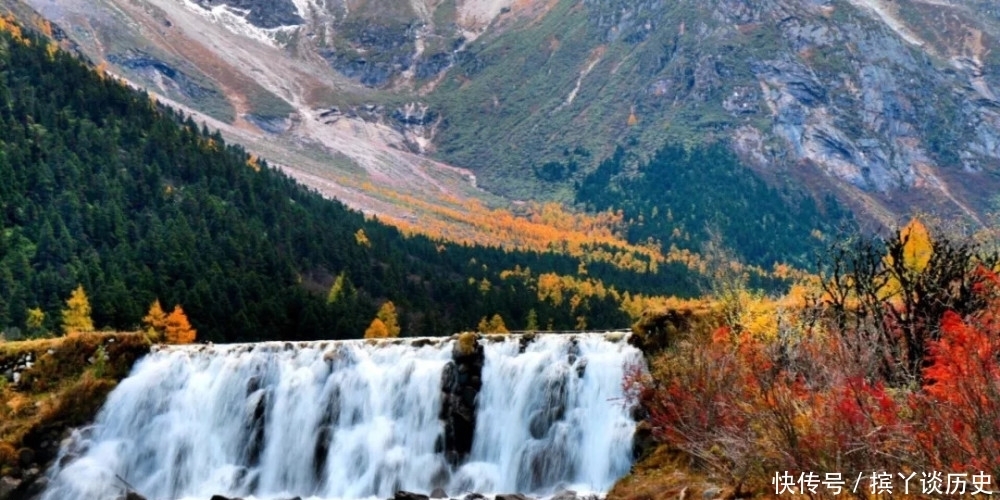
532	321
155	320
376	330
35	321
387	314
177	329
342	287
493	325
76	315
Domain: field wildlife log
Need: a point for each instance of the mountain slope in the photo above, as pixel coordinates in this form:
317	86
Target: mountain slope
106	188
888	107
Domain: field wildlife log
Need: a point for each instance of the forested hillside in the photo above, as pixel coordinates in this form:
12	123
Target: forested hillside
688	196
103	187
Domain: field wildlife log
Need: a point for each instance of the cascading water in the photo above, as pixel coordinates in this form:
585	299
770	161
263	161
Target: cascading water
353	420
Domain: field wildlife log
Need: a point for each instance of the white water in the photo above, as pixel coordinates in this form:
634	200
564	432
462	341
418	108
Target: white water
349	420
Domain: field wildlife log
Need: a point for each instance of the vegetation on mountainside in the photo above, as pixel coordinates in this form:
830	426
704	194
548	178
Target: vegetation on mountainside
105	189
888	361
686	197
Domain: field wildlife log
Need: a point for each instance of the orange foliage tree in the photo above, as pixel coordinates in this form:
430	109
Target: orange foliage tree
177	329
376	330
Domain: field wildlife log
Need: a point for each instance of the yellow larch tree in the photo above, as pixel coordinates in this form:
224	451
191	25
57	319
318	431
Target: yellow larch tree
76	315
155	320
494	325
387	314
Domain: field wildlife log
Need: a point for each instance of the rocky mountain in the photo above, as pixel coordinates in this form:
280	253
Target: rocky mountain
889	105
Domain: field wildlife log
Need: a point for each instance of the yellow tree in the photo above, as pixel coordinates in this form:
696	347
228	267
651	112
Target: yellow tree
341	287
387	314
155	320
362	238
76	315
177	329
494	325
35	320
376	330
916	251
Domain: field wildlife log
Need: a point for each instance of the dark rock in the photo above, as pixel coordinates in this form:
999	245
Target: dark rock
25	457
433	65
438	493
512	496
418	343
474	496
642	441
525	340
134	496
220	497
461	381
408	495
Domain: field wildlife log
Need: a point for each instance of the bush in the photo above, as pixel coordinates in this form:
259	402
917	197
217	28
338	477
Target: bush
892	368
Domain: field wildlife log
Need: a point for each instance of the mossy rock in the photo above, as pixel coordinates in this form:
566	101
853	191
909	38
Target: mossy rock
465	345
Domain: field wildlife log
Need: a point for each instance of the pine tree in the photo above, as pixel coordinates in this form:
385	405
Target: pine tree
76	316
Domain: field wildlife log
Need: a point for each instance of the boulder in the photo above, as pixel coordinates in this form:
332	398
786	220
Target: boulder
409	495
26	457
438	493
474	496
565	495
512	496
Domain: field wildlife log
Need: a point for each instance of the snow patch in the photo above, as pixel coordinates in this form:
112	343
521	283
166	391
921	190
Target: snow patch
234	20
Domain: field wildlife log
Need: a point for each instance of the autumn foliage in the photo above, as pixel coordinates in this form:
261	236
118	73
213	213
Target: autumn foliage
173	328
76	315
827	384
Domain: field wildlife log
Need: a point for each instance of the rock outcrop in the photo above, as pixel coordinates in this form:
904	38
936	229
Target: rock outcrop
460	384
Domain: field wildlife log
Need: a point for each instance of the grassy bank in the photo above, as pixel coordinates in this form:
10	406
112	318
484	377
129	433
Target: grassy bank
60	383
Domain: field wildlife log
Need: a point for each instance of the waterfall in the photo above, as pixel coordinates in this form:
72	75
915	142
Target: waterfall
355	420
